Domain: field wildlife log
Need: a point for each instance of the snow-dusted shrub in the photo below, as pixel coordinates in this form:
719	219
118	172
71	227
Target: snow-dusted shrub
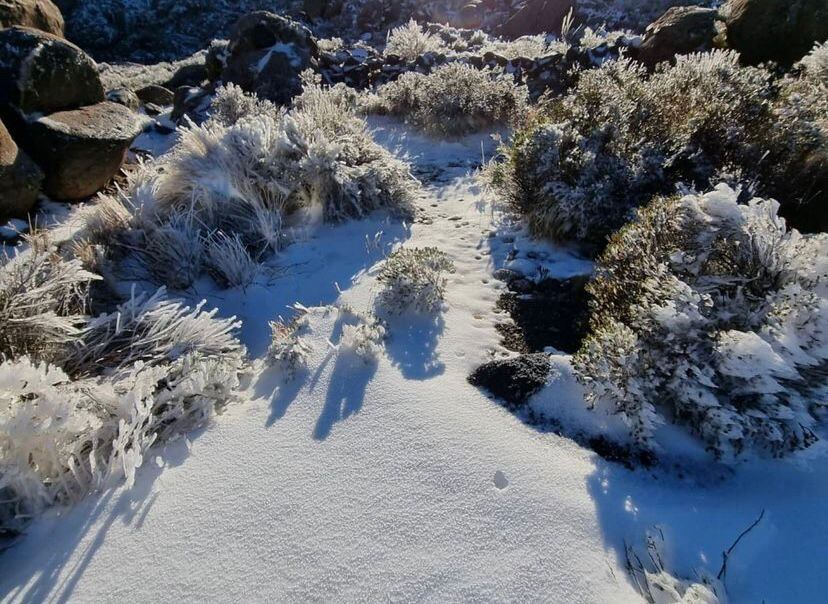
713	316
43	300
580	167
453	100
414	279
289	350
530	47
253	172
409	41
147	372
230	104
815	63
363	335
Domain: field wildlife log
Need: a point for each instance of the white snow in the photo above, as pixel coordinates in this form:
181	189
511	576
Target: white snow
396	480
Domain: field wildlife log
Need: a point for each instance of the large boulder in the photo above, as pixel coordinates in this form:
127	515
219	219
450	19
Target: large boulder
82	149
775	30
537	17
20	178
38	14
267	52
679	31
42	73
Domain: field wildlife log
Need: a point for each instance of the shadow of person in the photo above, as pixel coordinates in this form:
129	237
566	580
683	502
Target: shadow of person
345	393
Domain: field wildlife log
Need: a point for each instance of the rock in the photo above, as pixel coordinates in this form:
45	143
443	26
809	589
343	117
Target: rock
267	53
45	73
81	150
190	101
681	30
191	71
775	30
216	59
20	178
537	17
155	94
514	380
319	9
124	97
471	15
37	14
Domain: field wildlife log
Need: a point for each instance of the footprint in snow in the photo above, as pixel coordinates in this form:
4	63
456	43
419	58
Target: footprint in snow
500	480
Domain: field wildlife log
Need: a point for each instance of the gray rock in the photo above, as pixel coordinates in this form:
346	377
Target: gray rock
156	95
37	14
267	53
124	97
514	380
80	150
679	31
537	17
20	178
43	73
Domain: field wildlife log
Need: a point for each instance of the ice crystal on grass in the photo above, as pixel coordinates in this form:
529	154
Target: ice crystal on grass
414	279
712	315
289	350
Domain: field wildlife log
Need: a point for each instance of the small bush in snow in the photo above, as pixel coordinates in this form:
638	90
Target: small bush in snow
815	63
713	316
580	168
454	100
362	335
251	172
414	278
409	41
289	351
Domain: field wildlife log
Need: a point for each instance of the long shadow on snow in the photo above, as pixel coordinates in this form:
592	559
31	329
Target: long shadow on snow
40	580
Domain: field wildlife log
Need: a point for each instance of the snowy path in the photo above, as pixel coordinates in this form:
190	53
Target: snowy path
394	483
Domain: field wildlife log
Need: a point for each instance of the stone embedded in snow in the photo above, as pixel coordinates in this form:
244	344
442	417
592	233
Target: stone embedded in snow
42	73
38	14
20	178
82	149
267	53
513	380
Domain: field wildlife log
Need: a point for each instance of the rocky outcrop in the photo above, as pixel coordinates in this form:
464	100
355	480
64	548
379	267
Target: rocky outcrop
537	17
20	178
37	14
267	53
81	149
43	73
775	30
679	31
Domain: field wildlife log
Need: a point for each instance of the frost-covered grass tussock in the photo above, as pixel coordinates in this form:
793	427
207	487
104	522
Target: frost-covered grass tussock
414	279
713	316
232	189
82	398
453	100
580	165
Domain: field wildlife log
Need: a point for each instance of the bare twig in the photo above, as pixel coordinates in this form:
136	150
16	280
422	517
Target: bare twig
722	576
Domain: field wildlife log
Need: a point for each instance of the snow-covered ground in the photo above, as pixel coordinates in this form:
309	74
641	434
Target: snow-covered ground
398	480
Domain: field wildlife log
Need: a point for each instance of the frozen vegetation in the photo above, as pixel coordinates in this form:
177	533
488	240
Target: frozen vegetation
277	351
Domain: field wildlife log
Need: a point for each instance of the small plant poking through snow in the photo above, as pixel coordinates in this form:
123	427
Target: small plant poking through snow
453	100
289	351
229	261
414	279
362	335
713	316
